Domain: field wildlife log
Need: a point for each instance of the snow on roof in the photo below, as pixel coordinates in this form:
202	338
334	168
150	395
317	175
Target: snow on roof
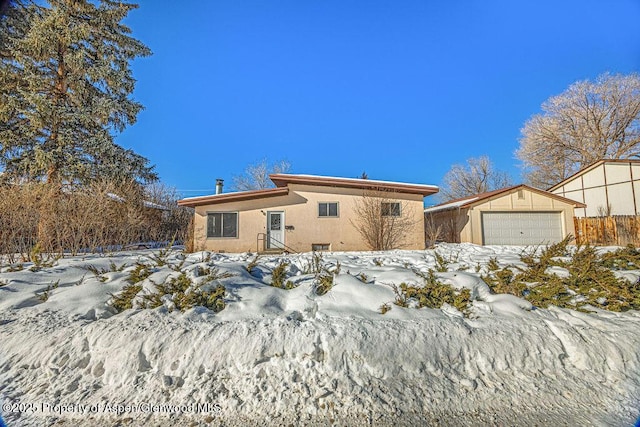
450	205
363	180
282	180
466	201
235	196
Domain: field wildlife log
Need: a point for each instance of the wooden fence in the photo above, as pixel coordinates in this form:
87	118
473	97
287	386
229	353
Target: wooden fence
609	230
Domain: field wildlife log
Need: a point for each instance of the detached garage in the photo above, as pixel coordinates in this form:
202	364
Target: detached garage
519	215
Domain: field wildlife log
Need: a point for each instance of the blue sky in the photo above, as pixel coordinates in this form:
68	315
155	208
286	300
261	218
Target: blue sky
400	89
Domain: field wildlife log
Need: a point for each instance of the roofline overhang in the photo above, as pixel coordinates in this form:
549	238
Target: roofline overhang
233	197
501	192
590	167
282	180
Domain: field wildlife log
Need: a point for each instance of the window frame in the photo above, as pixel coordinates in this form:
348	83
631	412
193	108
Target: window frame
390	211
222	223
337	215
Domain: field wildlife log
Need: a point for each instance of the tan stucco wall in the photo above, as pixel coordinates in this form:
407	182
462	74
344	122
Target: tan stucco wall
300	209
615	184
469	220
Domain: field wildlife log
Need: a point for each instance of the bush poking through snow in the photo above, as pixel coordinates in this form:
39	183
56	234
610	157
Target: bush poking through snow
441	263
139	273
279	275
493	265
627	258
184	294
324	283
124	300
44	295
502	282
384	308
362	277
179	292
162	256
40	259
589	279
433	294
252	264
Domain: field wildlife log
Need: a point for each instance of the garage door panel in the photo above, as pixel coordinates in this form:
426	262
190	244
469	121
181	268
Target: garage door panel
521	228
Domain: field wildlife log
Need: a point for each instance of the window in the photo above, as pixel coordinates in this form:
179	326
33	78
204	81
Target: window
391	209
319	247
329	209
520	195
222	224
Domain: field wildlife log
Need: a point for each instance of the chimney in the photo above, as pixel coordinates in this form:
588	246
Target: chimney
219	183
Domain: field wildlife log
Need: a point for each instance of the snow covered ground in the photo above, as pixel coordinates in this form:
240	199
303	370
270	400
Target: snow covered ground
291	357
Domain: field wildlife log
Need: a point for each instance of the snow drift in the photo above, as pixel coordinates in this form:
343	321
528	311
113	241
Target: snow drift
280	357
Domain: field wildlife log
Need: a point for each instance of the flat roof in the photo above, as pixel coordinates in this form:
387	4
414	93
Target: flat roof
282	180
232	197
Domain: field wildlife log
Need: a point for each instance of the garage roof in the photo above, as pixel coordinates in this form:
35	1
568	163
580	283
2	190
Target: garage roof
472	200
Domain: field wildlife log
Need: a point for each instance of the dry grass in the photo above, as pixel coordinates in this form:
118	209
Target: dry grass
83	219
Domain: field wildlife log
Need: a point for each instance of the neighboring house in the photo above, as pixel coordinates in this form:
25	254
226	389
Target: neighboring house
303	213
518	215
606	187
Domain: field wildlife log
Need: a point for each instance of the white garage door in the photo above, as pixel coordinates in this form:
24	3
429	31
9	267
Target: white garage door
521	228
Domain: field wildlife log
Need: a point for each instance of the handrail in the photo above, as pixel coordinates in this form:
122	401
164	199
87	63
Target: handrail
264	237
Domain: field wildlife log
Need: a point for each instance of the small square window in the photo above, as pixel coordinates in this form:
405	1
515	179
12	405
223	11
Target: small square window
391	209
328	209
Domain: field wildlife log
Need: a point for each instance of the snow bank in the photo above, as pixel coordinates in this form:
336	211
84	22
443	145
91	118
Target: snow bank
279	357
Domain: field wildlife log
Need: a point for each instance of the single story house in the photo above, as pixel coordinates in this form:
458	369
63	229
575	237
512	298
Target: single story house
304	213
518	215
606	187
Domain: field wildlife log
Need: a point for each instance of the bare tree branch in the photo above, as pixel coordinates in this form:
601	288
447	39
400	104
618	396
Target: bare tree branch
256	176
382	221
477	176
587	122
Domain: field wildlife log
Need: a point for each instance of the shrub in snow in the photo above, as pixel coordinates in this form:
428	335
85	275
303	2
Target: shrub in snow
252	264
40	259
124	300
441	263
589	280
324	283
139	273
44	295
362	277
178	292
433	294
627	258
185	294
385	307
279	275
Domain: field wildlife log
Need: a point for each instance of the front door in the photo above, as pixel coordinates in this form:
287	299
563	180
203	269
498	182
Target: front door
275	230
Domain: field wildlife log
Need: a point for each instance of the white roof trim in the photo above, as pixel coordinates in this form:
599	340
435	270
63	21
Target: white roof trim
451	205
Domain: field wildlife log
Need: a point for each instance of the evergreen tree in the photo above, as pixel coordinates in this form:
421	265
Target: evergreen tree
65	92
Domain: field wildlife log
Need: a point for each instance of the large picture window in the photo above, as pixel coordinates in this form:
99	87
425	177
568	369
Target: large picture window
391	209
222	224
328	209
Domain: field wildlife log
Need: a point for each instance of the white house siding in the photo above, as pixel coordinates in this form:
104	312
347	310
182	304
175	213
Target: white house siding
613	184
